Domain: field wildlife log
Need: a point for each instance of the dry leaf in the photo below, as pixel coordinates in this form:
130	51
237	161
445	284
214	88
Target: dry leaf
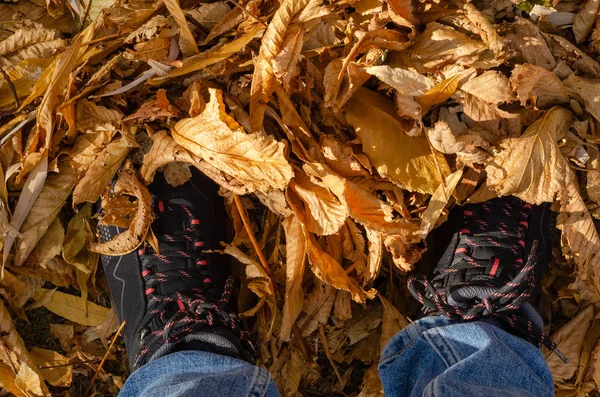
439	200
295	248
587	90
130	239
94	118
186	39
406	160
404	81
440	93
531	167
71	308
61	375
535	86
584	20
255	160
101	171
569	340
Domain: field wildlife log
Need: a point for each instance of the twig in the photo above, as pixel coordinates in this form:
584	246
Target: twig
328	353
265	265
238	5
71	364
105	354
101	39
12	88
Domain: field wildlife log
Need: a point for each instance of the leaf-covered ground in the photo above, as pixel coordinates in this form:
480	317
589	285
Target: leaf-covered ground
341	133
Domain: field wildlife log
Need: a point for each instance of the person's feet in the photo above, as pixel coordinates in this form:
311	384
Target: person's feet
492	267
176	299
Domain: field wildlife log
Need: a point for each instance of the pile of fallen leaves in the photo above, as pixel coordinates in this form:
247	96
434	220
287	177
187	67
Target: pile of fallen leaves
341	133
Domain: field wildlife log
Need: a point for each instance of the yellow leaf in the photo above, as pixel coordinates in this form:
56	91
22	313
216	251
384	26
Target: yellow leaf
254	160
438	202
295	248
129	240
29	382
406	160
62	373
439	94
70	307
187	43
101	171
532	167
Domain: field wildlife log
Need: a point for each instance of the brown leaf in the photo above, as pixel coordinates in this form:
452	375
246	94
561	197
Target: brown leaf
50	244
61	373
462	142
532	167
584	20
317	306
439	200
273	42
255	160
186	39
569	340
587	90
406	160
101	171
130	239
563	49
525	39
52	198
440	93
536	86
593	175
94	118
295	247
331	272
392	322
404	255
323	212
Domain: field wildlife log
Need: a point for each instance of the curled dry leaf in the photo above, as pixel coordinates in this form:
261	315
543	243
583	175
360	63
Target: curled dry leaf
587	90
406	160
255	160
535	86
130	239
186	39
532	167
465	144
439	200
273	42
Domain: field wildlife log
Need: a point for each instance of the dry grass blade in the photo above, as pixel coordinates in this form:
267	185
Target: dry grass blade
87	390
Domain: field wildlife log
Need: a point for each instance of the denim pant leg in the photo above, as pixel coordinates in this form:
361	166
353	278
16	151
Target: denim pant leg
199	374
439	357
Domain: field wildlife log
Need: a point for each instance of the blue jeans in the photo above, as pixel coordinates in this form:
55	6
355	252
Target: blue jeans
432	357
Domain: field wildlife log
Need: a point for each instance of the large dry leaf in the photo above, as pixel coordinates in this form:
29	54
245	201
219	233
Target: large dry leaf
186	39
406	160
532	167
255	160
482	26
576	58
101	171
456	138
569	340
317	307
72	308
392	322
295	248
524	38
584	20
589	92
536	86
52	198
483	95
437	46
129	240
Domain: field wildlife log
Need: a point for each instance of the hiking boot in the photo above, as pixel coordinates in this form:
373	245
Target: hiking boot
177	298
491	269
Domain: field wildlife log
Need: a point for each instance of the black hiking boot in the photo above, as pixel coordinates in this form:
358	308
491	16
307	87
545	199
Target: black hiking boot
177	299
491	269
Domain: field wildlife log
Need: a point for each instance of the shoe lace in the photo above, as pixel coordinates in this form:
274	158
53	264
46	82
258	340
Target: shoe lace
191	302
471	288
